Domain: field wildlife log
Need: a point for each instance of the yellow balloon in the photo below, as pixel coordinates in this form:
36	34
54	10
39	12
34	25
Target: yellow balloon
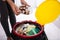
47	12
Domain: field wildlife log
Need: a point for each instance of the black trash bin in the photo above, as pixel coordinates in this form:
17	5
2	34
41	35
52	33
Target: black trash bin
39	36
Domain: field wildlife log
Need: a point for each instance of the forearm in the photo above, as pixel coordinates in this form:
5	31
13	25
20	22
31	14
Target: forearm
10	2
22	1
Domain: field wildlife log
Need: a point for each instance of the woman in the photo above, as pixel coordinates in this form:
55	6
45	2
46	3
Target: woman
8	8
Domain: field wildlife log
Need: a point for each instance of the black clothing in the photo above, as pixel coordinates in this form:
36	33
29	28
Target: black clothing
5	11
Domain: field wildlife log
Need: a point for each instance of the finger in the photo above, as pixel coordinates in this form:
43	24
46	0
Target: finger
14	11
17	10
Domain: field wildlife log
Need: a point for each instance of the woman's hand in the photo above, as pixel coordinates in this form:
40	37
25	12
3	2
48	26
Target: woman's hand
14	7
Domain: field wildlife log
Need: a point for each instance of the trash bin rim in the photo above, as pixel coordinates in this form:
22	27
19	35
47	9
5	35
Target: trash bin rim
23	36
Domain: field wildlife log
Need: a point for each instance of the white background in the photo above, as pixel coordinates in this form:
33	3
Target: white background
52	29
